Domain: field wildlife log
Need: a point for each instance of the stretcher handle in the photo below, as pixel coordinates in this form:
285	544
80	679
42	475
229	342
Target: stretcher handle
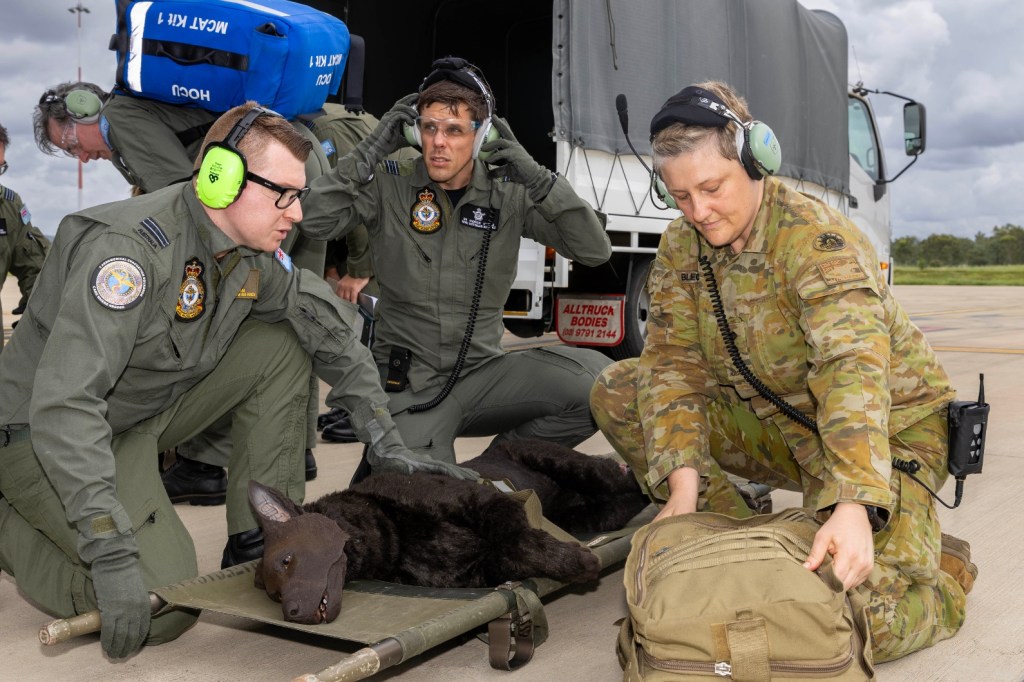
63	629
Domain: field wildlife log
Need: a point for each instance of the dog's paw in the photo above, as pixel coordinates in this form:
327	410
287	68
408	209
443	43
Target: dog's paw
590	566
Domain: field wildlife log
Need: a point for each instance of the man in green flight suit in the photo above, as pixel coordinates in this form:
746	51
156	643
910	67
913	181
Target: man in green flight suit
22	246
445	230
186	309
154	144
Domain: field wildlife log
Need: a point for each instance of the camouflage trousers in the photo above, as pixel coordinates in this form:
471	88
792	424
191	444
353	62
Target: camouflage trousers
912	604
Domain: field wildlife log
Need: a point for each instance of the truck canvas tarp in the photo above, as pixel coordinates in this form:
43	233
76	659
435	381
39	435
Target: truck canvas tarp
789	62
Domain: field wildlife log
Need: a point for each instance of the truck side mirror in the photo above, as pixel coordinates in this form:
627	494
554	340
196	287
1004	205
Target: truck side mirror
913	128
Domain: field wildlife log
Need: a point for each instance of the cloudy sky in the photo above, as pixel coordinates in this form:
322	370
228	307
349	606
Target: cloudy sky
962	59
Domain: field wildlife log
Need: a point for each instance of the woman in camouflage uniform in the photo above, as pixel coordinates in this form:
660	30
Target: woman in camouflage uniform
814	320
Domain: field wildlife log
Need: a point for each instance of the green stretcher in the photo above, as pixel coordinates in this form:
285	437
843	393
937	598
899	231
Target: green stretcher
395	622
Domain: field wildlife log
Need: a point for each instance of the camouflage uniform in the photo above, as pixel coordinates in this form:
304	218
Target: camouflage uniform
816	323
22	246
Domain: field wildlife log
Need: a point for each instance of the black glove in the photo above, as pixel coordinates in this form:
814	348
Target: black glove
19	310
520	166
121	595
385	138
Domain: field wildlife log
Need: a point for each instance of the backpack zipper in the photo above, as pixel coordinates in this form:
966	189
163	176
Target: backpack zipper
724	669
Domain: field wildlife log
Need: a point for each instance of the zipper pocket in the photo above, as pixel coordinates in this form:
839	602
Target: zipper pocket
724	669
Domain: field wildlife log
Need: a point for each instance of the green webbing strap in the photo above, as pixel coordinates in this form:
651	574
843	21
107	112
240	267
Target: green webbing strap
513	636
748	650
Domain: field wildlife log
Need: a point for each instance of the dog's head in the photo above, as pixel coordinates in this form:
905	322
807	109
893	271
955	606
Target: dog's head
304	562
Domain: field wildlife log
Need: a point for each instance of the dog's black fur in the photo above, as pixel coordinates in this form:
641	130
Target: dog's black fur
438	531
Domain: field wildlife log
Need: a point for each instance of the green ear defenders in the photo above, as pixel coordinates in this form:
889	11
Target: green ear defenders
462	72
756	144
221	176
83	106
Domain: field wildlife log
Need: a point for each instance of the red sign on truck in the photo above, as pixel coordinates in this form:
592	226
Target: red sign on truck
590	320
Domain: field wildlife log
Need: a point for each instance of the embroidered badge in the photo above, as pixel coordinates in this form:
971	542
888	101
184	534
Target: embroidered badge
283	259
26	217
829	241
479	217
426	214
118	283
841	270
251	288
192	294
691	276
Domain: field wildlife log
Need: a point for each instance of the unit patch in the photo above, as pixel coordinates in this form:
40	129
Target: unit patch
479	217
840	270
192	294
426	214
118	283
829	241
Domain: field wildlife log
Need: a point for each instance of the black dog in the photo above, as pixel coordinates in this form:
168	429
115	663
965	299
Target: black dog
438	531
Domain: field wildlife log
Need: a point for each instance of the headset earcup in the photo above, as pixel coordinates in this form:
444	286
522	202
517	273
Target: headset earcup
412	135
486	133
662	191
764	148
83	106
220	177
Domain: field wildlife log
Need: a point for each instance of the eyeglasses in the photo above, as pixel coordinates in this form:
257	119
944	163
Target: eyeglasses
451	128
3	168
69	141
287	195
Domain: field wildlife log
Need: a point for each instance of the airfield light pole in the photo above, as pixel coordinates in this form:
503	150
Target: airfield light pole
77	10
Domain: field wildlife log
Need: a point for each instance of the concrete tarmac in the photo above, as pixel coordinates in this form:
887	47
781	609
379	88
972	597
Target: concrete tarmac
973	329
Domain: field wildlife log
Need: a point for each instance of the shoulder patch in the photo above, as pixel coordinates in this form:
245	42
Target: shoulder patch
8	194
328	147
283	259
391	167
154	235
840	270
26	217
119	283
829	241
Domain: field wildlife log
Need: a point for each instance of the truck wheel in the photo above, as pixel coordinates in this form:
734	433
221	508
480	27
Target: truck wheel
638	305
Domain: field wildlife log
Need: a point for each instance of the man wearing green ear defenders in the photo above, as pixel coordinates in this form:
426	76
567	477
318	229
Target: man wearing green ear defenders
154	144
444	237
187	309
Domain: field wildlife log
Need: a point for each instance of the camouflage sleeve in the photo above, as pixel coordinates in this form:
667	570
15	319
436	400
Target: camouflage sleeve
844	322
673	379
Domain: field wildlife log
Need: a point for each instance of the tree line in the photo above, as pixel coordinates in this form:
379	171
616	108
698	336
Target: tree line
1005	246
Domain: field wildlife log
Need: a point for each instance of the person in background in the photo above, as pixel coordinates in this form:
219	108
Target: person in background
445	230
22	246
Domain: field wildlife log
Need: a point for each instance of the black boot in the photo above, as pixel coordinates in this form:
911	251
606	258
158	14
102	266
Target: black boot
195	482
310	465
328	418
242	547
339	431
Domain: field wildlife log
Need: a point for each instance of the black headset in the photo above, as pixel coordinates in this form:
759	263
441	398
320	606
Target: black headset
756	145
221	175
459	71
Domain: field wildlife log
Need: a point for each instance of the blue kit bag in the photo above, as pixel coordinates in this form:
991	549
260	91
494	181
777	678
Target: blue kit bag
216	54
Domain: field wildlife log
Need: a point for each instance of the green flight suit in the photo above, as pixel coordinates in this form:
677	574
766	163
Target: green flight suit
815	321
426	256
22	247
155	144
135	338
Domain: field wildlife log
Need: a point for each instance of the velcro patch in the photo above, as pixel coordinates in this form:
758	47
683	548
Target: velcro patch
840	270
119	283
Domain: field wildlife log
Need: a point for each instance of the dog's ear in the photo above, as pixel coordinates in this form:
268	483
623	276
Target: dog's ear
270	505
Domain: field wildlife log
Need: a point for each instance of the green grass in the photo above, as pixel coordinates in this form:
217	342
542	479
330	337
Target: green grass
961	274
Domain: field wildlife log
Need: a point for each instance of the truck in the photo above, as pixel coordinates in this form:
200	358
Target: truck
557	67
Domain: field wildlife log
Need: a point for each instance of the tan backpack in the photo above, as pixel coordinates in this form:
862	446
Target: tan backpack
710	595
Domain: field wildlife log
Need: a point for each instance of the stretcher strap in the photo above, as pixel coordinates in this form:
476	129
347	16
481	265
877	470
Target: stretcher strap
514	635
